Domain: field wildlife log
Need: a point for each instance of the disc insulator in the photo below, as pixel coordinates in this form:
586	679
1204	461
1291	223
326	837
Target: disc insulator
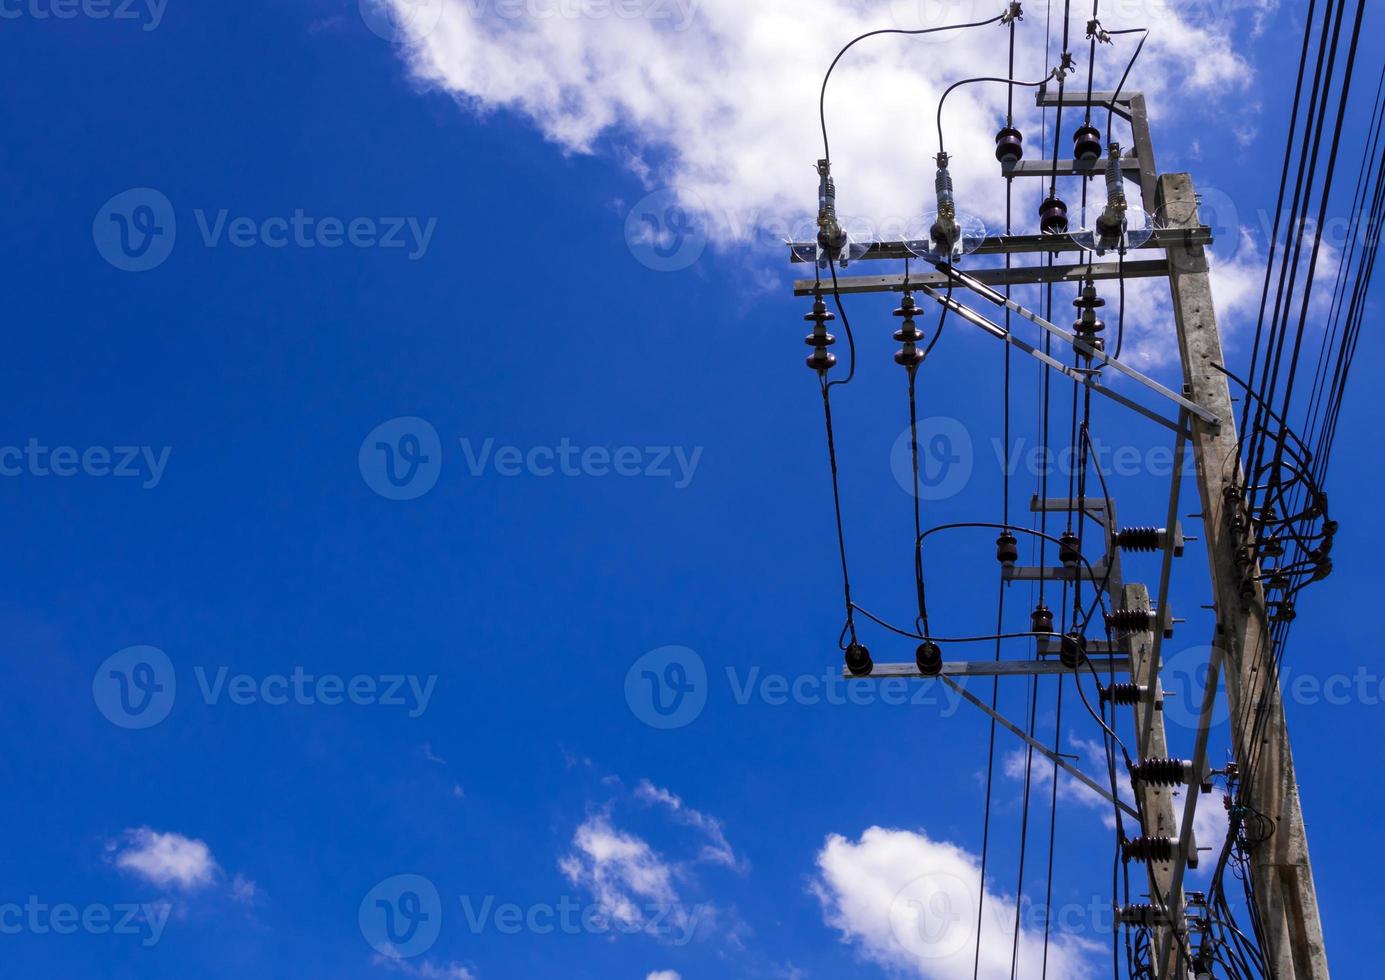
858	660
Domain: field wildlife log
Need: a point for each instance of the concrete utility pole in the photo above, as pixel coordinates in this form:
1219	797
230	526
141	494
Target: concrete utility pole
1201	417
1282	871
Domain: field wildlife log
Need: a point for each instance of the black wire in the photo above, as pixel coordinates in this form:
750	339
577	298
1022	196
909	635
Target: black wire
982	78
822	97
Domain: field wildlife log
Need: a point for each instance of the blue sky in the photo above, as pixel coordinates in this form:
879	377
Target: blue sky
408	452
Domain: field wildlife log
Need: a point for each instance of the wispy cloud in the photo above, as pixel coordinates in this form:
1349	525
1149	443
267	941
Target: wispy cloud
717	849
424	969
621	870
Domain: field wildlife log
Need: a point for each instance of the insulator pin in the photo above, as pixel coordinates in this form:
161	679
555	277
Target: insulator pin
1042	619
1149	850
1086	144
1161	772
1009	146
1142	914
821	359
1137	621
1088	324
908	334
1053	216
1125	695
1069	549
858	660
1007	549
1147	539
929	659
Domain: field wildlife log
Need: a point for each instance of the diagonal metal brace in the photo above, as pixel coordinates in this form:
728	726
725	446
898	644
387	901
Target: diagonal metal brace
1038	746
989	294
1087	378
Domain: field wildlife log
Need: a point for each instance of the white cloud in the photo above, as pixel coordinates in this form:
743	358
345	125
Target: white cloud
717	100
171	860
631	884
622	871
724	111
909	904
167	860
718	848
665	975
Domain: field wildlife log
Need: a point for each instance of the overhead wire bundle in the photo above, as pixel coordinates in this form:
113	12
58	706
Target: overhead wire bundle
1280	511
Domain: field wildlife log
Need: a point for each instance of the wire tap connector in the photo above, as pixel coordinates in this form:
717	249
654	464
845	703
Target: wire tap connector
945	232
831	236
1015	13
1111	223
1098	33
